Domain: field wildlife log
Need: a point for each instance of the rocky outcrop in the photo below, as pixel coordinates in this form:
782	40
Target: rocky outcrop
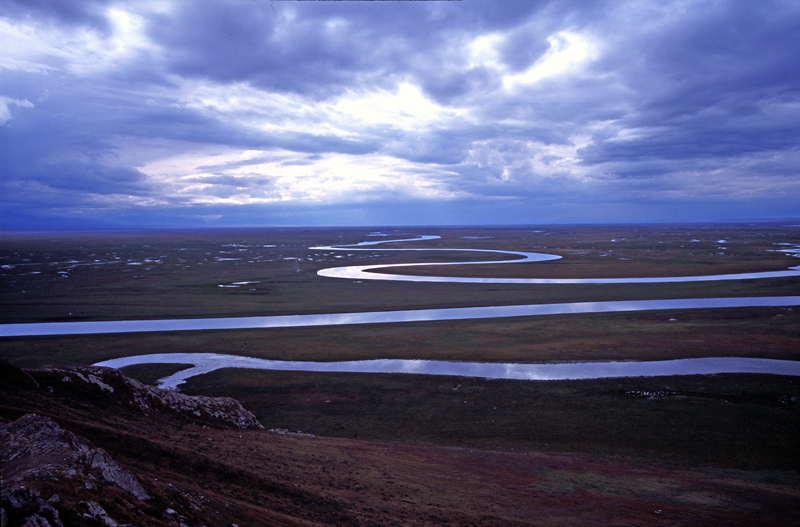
36	447
36	453
109	386
51	477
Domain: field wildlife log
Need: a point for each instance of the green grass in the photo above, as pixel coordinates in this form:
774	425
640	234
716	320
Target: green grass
746	332
734	421
186	268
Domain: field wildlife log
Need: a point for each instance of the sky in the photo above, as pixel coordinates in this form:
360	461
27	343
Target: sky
216	113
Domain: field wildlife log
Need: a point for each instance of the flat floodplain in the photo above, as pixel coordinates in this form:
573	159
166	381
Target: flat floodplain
232	273
225	273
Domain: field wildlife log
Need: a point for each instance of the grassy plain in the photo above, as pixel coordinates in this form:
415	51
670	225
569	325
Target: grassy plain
731	421
207	474
178	274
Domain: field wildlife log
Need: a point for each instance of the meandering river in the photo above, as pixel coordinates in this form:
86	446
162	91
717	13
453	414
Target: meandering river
362	272
207	362
204	362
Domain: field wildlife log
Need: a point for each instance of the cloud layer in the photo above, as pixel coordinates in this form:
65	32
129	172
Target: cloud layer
161	113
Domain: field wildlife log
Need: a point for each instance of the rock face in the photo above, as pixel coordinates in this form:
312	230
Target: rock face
33	450
110	386
52	477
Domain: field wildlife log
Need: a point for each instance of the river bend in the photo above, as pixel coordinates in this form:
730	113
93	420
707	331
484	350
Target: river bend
206	362
203	363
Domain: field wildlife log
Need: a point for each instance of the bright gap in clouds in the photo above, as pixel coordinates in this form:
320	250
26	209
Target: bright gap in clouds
222	175
538	105
404	108
567	54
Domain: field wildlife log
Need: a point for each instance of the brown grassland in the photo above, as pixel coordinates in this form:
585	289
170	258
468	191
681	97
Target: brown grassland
465	444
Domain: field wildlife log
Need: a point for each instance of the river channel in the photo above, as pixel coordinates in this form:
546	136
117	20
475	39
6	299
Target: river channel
204	362
207	362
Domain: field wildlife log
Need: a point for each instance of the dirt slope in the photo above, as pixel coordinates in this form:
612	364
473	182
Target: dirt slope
206	470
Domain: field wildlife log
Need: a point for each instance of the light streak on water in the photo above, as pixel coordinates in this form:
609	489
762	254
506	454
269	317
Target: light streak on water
385	317
207	362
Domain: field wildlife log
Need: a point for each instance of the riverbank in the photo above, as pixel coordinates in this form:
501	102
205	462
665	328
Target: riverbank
203	363
271	273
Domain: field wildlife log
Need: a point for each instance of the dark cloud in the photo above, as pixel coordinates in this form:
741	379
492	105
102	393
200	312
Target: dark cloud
71	12
322	49
523	49
92	177
253	43
666	89
709	84
447	86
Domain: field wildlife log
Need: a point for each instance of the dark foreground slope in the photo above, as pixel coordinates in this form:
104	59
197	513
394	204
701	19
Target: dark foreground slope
103	450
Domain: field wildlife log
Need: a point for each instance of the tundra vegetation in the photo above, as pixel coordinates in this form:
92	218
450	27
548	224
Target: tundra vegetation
740	429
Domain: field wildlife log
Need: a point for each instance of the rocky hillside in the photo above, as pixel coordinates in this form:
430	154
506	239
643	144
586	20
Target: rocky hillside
37	455
89	447
108	389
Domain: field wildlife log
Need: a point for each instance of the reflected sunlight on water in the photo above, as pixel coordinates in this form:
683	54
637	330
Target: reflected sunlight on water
208	362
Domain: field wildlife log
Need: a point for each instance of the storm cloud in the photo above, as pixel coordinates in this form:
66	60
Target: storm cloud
161	112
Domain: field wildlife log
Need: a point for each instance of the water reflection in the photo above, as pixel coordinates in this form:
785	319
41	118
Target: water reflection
208	362
383	317
364	272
